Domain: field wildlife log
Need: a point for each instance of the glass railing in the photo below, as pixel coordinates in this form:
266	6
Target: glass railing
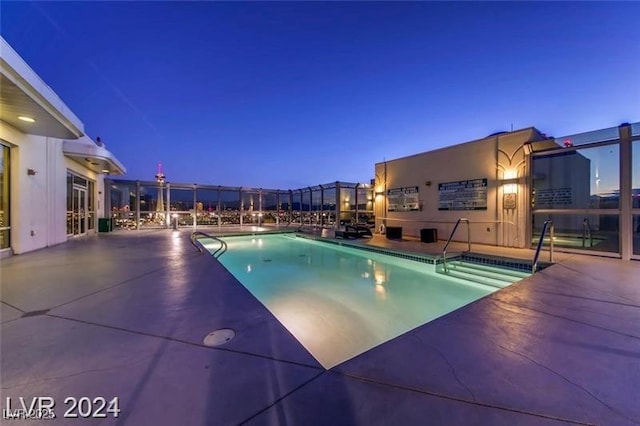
636	234
611	133
218	205
593	232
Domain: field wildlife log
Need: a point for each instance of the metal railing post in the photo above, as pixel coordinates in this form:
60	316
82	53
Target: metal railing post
534	265
455	227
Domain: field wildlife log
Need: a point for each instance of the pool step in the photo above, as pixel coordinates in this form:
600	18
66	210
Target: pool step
499	272
482	274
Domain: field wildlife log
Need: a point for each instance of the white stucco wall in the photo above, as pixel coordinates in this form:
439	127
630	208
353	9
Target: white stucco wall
39	202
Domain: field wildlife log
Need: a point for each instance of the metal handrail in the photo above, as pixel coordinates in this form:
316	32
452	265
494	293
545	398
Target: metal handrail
444	251
534	265
586	231
219	252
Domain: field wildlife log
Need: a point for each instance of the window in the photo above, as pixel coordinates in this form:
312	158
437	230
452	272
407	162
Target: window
5	205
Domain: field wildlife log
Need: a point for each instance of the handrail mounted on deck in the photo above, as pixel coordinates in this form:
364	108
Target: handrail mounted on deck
219	252
444	251
546	225
586	232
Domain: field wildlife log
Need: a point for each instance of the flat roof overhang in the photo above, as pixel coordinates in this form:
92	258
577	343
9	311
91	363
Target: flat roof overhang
24	94
93	156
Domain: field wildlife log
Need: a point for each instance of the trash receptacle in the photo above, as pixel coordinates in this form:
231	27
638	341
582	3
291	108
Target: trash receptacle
429	235
394	232
105	224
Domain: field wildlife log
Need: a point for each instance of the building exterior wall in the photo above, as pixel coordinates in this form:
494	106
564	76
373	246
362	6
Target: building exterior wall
45	142
495	160
39	201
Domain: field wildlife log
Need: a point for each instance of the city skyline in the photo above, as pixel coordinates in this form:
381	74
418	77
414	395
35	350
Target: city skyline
287	95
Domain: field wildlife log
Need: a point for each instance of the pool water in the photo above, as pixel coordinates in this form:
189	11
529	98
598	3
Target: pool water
338	301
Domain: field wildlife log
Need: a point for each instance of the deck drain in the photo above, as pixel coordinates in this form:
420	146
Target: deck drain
219	337
267	260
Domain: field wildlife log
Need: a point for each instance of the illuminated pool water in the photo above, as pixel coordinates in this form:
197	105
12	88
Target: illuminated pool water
338	301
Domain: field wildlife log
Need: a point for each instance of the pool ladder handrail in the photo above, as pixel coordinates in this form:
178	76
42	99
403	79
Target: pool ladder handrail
586	232
219	252
444	251
547	224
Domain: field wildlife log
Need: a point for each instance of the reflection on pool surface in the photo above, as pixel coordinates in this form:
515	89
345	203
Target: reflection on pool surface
338	301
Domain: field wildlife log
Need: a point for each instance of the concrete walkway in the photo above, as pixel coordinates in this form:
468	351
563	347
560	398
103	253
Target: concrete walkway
124	315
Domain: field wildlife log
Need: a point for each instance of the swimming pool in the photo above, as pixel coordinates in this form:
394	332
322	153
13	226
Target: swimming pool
339	301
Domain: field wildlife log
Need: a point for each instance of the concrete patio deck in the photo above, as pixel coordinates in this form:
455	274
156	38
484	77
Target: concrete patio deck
124	315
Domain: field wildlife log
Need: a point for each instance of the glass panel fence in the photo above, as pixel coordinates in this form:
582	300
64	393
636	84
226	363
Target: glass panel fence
123	204
285	208
230	207
296	207
251	208
601	135
207	206
181	199
153	199
305	211
594	232
577	179
216	205
347	205
365	206
316	206
329	206
270	208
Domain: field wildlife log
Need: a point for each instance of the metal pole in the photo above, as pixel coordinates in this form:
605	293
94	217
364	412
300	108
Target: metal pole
218	209
321	206
241	206
336	224
356	201
137	205
625	230
167	219
195	206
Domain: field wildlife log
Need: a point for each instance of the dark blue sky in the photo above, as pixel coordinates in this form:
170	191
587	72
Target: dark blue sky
284	95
